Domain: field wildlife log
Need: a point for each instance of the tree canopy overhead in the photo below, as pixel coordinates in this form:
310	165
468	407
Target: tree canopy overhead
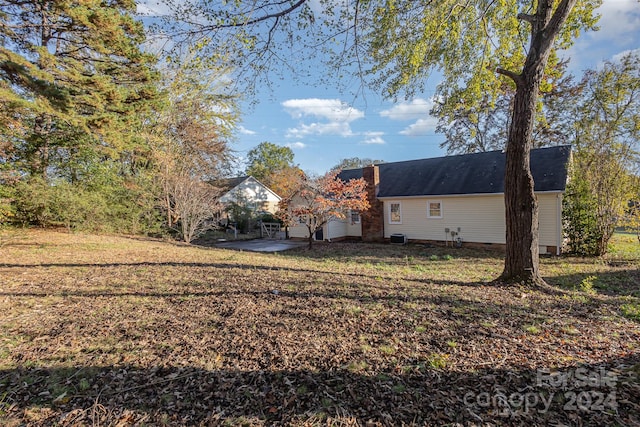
391	45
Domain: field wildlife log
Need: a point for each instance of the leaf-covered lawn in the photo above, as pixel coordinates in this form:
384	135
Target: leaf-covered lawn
101	330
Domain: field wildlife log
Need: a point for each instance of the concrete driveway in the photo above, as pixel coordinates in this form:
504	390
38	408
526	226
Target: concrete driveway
261	245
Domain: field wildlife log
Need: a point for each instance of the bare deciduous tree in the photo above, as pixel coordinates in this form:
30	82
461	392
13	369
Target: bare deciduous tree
194	203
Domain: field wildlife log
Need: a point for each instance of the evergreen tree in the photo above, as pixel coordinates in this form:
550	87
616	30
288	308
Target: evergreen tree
75	90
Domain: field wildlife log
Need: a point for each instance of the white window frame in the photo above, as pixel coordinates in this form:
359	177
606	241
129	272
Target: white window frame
391	221
357	216
429	202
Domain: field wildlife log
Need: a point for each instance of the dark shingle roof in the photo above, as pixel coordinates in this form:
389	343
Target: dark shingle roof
479	173
349	174
226	184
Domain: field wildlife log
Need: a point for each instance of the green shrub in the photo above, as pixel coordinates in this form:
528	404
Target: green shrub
579	209
117	207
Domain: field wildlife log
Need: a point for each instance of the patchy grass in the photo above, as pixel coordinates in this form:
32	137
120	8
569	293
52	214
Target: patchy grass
624	246
104	330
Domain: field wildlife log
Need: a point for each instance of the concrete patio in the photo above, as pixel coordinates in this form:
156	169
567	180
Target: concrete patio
261	245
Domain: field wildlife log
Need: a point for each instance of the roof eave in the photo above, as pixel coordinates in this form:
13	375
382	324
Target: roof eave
425	196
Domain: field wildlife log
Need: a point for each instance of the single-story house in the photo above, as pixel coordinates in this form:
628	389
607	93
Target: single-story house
248	191
454	198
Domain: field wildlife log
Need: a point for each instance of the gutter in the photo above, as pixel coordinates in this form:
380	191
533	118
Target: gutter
430	196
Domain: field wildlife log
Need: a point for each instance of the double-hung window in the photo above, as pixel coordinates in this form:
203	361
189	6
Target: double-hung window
434	209
395	213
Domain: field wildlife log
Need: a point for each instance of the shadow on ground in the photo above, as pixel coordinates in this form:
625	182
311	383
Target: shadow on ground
606	394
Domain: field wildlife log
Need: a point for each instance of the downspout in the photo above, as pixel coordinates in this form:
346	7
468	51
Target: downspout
559	227
383	210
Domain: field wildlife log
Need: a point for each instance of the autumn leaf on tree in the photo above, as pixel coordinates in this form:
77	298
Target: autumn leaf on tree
317	201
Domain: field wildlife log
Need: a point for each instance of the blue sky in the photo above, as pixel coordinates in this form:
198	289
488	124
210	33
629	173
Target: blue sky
322	126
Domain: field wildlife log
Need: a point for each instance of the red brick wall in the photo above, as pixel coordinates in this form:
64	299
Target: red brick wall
372	220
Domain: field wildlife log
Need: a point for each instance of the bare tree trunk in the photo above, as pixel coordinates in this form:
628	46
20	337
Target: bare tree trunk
40	161
521	203
311	232
169	212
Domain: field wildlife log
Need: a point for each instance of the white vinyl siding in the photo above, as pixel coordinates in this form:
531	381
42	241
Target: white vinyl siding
549	219
354	229
334	229
254	194
481	219
298	231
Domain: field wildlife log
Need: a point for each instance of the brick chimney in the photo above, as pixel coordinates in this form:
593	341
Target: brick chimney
372	220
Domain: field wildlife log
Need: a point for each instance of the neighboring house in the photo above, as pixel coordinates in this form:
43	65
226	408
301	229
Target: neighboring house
249	192
463	194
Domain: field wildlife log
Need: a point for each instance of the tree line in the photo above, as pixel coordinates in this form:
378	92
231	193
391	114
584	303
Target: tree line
98	134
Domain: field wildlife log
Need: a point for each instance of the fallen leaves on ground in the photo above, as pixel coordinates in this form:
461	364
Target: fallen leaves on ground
101	330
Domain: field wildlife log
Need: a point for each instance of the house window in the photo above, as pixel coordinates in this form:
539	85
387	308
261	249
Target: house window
395	213
355	217
434	209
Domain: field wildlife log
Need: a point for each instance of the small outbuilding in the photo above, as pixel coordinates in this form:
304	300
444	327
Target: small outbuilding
249	192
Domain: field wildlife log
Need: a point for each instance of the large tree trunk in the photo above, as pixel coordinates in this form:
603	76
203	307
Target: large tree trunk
521	205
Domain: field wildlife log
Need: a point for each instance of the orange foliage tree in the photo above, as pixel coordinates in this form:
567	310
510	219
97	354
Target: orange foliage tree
319	200
285	182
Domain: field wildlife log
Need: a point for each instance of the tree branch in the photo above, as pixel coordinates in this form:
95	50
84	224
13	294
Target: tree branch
526	17
560	15
266	17
513	76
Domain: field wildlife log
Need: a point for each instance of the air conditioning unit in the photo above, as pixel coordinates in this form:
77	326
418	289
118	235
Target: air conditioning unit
398	238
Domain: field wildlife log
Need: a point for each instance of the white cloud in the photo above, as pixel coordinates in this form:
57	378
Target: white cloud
619	31
244	131
617	57
333	128
374	138
294	145
421	127
337	114
417	109
330	109
620	20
